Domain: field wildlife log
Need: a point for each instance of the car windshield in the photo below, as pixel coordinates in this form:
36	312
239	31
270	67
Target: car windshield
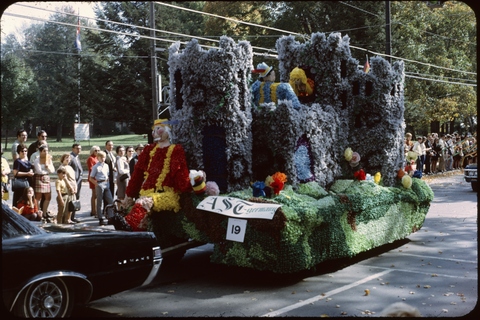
14	225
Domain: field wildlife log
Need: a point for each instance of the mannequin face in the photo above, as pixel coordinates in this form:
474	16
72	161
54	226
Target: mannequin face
270	77
159	133
300	86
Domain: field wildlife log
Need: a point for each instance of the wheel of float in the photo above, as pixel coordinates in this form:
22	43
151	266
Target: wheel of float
48	298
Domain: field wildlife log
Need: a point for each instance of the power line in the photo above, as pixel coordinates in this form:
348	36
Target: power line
127	25
364	11
438	80
422	63
381	54
230	19
438	76
171	41
424	31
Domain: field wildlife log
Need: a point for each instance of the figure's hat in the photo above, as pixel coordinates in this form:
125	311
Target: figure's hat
164	122
262	69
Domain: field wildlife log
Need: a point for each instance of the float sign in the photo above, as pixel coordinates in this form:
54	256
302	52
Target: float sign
237	208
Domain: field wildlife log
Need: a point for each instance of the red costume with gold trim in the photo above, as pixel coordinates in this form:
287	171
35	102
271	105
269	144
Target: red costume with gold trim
162	174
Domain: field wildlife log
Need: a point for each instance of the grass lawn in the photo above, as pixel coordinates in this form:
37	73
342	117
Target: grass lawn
65	146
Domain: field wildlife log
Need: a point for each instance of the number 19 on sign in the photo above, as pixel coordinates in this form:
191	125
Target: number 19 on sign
236	229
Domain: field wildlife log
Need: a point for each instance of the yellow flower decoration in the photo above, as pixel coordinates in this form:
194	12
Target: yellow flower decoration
268	181
348	154
377	177
407	181
168	200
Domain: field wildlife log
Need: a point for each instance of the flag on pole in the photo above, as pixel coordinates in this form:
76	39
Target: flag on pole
78	45
366	68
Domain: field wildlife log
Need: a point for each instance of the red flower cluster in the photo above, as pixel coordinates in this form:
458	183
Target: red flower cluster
279	180
135	217
360	175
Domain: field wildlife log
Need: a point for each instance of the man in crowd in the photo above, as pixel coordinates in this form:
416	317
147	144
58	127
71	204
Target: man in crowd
41	135
77	167
22	136
134	160
110	160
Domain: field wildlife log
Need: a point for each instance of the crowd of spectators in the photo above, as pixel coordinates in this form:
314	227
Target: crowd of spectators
29	179
439	153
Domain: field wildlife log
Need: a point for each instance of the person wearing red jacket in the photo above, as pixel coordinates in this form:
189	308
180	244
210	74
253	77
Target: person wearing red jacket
27	206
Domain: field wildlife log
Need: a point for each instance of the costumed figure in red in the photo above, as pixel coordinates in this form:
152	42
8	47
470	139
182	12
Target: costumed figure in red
161	175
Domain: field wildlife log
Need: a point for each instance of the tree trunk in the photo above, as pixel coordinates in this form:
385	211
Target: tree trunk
59	131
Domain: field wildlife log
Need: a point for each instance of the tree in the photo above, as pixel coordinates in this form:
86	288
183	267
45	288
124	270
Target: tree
441	37
52	57
19	88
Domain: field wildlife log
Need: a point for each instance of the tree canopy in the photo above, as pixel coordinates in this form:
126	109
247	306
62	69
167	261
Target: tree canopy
47	81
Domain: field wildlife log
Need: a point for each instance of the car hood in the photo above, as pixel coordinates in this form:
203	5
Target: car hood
75	228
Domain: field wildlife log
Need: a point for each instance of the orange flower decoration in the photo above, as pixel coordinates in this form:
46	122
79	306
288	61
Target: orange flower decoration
279	180
280	177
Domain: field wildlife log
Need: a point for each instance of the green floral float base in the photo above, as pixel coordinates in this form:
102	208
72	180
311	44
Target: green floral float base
312	225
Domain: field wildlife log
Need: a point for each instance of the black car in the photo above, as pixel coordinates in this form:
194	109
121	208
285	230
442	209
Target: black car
46	273
470	175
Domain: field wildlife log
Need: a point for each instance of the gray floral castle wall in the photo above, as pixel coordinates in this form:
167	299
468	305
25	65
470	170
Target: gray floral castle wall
210	98
236	142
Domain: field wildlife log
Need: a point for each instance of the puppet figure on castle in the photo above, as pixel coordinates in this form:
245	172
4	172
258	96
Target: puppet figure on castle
302	85
266	91
161	175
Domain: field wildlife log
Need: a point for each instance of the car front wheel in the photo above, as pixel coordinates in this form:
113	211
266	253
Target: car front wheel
49	298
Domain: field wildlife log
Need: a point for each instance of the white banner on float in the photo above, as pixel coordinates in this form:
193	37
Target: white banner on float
238	208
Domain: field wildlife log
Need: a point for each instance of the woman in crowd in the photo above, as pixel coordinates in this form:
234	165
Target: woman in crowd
457	152
123	172
42	167
27	206
428	153
129	153
419	148
22	169
91	161
5	173
71	184
437	152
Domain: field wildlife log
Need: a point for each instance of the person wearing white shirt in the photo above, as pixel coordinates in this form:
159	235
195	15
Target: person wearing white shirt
419	148
22	136
99	176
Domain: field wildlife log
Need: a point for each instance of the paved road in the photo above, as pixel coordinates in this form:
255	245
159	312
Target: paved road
434	270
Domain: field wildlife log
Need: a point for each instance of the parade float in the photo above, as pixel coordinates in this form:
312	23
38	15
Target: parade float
288	181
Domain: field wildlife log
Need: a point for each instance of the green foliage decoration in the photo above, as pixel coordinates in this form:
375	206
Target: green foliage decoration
334	226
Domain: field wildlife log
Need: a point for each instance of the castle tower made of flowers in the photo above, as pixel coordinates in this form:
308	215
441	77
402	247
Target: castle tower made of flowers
236	142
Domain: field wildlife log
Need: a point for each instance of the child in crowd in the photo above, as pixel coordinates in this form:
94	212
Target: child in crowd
99	177
27	206
63	197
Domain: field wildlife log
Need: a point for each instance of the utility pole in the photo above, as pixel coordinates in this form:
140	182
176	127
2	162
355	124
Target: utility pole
388	44
153	60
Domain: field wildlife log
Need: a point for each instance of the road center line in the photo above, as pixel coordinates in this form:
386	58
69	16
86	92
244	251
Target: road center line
325	295
432	257
421	272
